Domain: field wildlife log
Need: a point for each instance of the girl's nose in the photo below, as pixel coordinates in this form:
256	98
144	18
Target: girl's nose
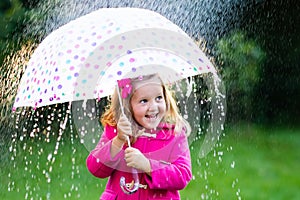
152	106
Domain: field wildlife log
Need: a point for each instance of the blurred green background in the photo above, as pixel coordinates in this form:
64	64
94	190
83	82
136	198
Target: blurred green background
257	158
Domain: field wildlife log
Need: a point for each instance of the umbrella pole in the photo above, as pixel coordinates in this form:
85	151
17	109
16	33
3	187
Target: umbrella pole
120	100
134	171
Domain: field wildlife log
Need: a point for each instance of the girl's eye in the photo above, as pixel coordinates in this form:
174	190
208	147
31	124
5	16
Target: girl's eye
159	98
143	101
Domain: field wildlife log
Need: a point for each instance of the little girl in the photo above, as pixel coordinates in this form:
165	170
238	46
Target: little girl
158	150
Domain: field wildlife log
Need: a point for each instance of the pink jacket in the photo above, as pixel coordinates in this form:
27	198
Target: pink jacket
169	157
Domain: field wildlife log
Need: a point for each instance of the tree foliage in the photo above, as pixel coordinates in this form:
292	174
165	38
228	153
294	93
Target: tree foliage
241	59
275	25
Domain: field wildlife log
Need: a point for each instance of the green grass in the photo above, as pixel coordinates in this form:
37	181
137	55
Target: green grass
266	164
250	162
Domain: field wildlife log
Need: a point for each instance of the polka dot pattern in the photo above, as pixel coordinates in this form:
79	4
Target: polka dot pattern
84	58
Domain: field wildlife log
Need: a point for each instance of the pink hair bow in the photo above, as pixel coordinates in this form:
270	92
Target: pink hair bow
125	86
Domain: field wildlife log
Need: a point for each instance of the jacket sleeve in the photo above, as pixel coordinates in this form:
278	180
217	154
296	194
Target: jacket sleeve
176	174
99	162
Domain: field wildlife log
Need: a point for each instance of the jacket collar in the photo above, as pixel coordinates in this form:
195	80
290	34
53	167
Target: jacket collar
164	131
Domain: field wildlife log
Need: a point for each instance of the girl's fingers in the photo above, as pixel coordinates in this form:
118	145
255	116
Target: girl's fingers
128	154
130	164
128	150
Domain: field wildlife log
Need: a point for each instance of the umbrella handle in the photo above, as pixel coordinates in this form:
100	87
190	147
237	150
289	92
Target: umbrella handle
136	185
135	179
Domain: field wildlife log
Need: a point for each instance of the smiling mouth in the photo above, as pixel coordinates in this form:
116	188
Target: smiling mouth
151	117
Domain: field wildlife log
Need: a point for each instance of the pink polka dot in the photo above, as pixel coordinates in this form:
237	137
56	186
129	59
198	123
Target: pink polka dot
77	46
131	60
120	47
69	51
72	68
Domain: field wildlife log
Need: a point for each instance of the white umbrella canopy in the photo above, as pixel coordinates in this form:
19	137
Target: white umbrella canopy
84	58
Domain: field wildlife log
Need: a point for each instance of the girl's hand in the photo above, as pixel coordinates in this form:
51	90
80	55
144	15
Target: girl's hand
124	128
134	158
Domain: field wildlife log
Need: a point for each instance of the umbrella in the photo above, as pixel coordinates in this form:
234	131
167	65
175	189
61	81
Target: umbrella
84	58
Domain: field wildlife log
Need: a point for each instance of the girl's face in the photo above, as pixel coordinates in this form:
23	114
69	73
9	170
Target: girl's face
148	105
